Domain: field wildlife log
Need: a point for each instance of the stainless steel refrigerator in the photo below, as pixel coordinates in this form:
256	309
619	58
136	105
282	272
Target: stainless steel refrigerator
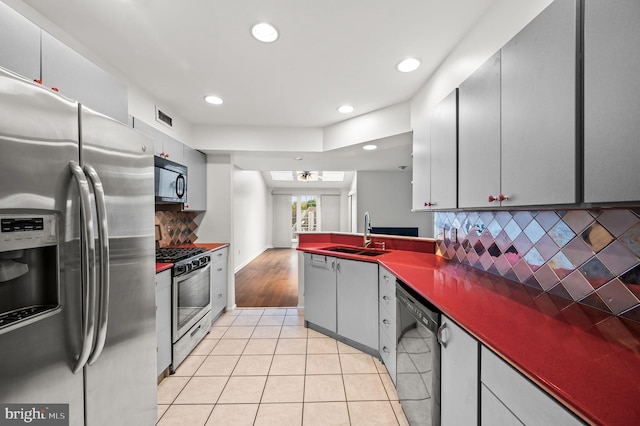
77	297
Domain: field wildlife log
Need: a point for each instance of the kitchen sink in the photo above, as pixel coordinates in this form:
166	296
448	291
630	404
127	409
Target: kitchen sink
355	250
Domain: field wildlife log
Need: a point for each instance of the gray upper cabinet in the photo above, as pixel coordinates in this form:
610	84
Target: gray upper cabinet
539	153
78	78
479	136
443	154
19	43
163	145
196	163
421	183
611	101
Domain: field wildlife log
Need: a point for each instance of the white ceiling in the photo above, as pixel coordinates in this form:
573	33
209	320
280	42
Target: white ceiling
329	53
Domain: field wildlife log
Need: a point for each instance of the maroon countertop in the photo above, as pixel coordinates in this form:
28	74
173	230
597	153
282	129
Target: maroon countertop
587	359
209	246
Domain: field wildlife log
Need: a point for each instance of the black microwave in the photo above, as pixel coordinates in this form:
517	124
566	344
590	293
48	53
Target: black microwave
170	181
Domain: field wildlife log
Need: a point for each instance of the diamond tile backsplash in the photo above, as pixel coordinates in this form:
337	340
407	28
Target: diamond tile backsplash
175	228
589	256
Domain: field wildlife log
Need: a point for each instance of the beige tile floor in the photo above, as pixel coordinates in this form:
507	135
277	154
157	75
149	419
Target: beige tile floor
262	367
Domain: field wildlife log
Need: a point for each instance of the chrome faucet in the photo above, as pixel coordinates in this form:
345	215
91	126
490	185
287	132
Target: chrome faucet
367	231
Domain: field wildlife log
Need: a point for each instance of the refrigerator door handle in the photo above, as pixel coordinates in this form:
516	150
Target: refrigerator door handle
88	272
103	240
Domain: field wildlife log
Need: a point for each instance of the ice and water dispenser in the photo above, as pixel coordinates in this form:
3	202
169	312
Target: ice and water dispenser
29	278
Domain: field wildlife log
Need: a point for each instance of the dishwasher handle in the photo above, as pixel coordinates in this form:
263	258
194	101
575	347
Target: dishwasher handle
441	335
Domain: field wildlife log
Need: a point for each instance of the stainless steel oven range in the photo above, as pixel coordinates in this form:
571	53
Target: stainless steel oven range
190	298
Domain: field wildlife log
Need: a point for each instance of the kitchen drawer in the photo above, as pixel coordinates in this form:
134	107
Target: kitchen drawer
388	353
387	323
218	298
220	254
183	347
387	283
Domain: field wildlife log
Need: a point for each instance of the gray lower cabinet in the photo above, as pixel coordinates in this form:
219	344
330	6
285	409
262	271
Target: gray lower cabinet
341	296
443	153
387	317
459	374
320	298
357	294
611	101
163	319
196	163
219	268
19	43
507	397
538	113
479	137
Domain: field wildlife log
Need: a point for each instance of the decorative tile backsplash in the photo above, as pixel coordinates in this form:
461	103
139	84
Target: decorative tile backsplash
174	227
589	256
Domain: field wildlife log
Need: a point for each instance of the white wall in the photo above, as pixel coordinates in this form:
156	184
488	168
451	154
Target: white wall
386	195
252	215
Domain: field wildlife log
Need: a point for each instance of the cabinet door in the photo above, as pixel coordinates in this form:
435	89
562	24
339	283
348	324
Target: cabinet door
479	136
163	145
357	288
421	183
163	319
78	78
196	163
459	374
444	153
526	401
19	43
173	150
320	290
538	110
611	101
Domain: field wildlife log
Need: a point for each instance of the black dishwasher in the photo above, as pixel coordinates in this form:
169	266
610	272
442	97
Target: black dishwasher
418	357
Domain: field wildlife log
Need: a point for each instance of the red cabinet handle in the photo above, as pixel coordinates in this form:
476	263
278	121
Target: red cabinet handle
500	197
55	89
428	204
37	80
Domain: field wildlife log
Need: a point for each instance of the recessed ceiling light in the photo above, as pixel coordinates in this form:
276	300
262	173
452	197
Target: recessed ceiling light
408	65
298	158
264	32
212	99
345	109
369	147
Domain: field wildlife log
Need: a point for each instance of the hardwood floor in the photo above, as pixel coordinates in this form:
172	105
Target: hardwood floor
270	280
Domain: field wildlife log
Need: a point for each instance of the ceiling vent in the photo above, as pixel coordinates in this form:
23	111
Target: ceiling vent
163	118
